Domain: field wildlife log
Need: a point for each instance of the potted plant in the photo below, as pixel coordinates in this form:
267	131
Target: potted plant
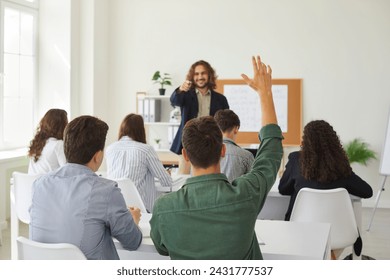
358	151
157	145
162	79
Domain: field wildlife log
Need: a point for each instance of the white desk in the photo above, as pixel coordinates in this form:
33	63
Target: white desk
293	240
283	241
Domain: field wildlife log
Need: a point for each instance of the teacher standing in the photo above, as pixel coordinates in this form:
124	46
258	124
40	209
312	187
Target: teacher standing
196	98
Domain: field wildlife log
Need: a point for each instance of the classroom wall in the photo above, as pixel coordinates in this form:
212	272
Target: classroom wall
339	49
54	56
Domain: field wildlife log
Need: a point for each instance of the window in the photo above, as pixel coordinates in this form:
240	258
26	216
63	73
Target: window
18	72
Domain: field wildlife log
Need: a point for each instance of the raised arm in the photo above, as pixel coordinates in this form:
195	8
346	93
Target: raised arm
262	84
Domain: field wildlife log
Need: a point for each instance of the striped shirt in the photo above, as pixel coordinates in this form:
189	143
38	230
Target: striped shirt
237	161
139	162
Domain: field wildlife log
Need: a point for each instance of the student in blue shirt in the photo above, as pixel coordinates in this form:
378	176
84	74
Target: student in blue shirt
74	205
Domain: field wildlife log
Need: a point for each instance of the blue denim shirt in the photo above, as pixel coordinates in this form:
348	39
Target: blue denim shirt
74	205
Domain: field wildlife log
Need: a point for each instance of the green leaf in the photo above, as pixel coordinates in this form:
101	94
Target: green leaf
358	151
156	76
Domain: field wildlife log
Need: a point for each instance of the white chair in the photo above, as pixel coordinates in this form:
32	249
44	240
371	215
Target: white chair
20	202
330	206
131	194
32	250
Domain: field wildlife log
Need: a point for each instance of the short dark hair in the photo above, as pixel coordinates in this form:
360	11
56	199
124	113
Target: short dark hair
212	84
226	119
133	126
202	140
83	137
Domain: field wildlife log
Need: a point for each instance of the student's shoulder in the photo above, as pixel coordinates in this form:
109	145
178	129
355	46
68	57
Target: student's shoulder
104	183
294	155
168	203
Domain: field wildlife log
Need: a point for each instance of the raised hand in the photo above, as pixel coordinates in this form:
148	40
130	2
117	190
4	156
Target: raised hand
262	84
262	76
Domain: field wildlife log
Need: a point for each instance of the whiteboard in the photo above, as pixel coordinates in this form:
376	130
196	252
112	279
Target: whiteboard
385	159
244	101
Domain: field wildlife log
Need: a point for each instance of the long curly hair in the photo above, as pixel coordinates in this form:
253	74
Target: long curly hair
212	84
52	124
322	157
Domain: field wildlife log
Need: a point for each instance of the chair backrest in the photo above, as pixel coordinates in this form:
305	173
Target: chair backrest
131	194
22	191
332	206
32	250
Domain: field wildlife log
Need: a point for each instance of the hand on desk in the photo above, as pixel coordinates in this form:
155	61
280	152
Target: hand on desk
136	213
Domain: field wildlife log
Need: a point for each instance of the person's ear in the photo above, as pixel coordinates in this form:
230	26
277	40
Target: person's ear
185	155
98	158
235	130
223	150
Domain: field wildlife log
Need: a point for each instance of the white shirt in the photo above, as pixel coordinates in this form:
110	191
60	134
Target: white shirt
139	162
52	157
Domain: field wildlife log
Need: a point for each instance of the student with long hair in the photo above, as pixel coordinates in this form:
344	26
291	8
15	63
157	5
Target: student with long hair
320	164
46	150
196	97
130	157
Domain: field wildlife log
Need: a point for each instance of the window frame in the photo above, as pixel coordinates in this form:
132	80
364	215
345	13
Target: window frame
30	8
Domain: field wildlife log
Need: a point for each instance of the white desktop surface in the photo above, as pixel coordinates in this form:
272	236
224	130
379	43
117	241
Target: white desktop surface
283	241
293	240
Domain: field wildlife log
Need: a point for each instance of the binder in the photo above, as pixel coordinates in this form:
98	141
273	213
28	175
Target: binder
154	110
146	110
141	108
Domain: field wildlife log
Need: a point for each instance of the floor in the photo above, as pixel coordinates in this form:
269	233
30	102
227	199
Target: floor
376	242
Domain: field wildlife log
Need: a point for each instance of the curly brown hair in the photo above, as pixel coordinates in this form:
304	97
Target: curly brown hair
133	126
52	124
212	84
322	157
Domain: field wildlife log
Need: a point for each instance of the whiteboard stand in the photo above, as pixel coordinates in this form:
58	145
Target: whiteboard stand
377	201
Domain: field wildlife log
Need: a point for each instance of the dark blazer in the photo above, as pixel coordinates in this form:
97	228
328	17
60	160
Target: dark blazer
188	103
292	182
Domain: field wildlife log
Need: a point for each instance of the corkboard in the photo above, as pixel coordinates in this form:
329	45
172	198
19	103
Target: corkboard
291	112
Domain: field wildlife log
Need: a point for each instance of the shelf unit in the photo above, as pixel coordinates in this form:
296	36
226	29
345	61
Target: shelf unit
162	129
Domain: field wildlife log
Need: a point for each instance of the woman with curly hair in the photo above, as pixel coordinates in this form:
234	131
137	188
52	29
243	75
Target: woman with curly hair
320	164
47	148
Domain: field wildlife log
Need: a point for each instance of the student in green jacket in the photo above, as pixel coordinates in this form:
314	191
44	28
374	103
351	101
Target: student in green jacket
210	218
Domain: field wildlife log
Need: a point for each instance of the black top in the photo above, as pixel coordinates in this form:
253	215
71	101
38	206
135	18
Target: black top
292	181
188	103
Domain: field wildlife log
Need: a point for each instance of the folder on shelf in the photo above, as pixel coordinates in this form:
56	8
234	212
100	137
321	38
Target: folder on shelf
172	130
146	110
154	110
141	108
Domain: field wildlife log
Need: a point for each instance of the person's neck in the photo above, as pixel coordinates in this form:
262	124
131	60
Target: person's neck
214	169
230	135
203	91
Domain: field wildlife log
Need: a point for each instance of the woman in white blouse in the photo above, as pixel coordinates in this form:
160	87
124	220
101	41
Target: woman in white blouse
46	150
130	157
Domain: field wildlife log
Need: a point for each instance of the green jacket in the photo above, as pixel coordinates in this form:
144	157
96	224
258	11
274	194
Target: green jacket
209	218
